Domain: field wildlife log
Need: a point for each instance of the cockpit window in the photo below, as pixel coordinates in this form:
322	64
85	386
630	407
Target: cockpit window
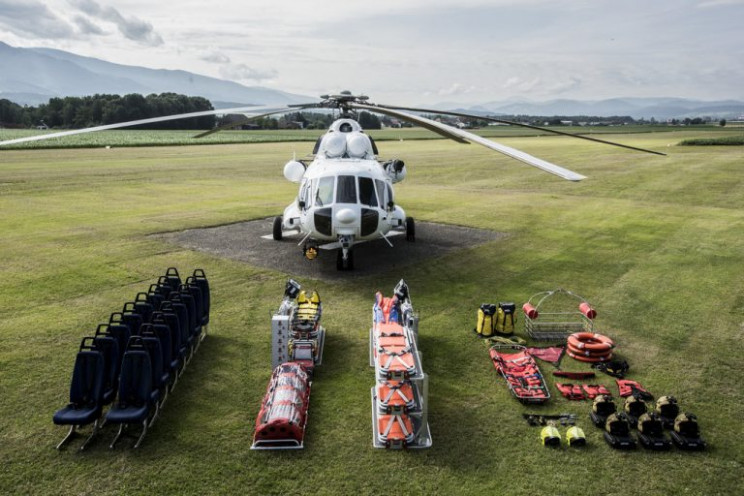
345	127
346	192
367	194
324	195
380	185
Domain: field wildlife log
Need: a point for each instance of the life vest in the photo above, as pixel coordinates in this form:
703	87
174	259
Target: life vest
628	388
594	390
571	391
484	326
505	318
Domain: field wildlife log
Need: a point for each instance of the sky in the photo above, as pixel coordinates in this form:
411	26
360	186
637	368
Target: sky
411	52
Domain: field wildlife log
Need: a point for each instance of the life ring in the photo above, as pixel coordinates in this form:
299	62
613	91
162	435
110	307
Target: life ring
590	341
583	358
589	353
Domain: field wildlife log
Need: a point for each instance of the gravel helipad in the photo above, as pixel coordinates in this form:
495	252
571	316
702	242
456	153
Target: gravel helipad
246	242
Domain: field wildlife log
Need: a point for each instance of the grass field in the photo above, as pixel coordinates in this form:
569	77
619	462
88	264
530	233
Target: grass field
654	242
129	138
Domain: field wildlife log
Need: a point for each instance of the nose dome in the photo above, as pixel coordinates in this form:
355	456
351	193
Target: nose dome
346	216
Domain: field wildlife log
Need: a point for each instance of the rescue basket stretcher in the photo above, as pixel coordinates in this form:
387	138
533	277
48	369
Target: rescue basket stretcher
399	398
282	419
548	315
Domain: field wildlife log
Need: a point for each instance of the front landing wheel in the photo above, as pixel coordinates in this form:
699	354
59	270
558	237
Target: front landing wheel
410	229
347	264
277	228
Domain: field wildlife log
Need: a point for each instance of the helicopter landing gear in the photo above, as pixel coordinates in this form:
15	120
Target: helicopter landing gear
410	229
345	262
277	228
345	256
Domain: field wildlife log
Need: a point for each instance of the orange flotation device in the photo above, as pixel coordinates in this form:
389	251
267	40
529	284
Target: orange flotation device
590	347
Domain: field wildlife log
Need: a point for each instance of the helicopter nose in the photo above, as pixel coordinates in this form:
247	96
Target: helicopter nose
346	216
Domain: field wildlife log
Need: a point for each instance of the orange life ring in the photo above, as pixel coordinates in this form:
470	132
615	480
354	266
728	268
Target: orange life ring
589	353
582	358
590	341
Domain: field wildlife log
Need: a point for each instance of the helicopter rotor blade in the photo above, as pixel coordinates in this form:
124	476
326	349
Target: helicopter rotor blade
506	150
245	118
520	124
244	110
425	123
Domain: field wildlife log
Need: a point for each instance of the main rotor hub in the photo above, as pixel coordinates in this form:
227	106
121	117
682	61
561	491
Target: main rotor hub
342	101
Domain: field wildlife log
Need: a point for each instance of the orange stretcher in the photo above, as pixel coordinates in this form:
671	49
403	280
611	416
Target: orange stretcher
521	372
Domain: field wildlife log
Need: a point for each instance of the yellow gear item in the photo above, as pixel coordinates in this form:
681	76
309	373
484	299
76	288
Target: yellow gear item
315	297
302	297
484	325
505	318
550	435
575	436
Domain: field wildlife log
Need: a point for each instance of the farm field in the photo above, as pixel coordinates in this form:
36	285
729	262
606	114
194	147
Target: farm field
130	137
655	243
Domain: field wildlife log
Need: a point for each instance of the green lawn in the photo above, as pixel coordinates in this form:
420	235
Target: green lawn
654	242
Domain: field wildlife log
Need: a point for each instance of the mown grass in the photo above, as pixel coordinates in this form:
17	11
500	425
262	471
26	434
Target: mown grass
654	242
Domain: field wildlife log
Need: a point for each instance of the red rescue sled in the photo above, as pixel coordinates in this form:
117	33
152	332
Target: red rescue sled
521	372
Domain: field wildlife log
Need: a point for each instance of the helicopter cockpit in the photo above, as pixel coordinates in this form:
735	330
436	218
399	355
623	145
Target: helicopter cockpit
347	189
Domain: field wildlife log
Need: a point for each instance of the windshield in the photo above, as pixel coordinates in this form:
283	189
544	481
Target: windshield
367	194
324	195
346	192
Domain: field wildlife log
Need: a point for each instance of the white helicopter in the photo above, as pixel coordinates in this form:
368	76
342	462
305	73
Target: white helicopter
346	195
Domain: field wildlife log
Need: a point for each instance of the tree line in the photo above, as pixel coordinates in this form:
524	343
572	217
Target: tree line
79	112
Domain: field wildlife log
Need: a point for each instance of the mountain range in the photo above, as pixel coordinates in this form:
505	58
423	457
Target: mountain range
31	76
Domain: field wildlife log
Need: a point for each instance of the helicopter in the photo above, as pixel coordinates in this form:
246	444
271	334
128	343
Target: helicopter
345	195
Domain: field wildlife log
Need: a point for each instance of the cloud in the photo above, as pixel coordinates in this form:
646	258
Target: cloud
87	27
33	19
719	3
132	28
241	72
215	57
456	89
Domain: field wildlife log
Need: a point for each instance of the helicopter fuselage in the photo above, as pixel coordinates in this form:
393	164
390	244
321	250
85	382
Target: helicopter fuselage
345	196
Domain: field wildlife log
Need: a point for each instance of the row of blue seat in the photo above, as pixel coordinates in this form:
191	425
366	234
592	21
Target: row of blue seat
134	360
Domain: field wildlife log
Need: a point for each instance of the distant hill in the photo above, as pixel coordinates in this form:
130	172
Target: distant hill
658	108
31	76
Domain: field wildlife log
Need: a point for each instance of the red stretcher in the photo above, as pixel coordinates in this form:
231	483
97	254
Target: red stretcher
521	372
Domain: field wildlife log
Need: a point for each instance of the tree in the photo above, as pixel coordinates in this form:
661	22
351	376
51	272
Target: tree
722	123
369	121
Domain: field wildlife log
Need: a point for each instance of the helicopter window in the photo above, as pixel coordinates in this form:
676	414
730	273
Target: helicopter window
324	196
380	186
346	192
389	193
367	194
310	191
